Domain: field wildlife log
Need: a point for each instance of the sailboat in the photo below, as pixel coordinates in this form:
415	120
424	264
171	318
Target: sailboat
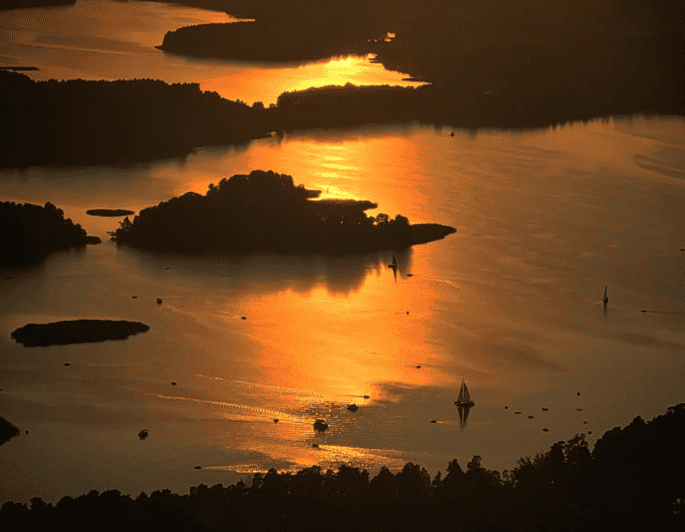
464	398
606	297
393	264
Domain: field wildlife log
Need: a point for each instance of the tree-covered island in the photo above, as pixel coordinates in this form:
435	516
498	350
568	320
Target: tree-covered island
31	232
265	211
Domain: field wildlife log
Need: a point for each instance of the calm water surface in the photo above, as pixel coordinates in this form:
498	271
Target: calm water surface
511	303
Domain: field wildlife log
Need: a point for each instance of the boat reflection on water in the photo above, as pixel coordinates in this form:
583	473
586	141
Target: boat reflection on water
464	403
463	416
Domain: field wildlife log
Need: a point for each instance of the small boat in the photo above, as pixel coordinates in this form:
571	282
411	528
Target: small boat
545	409
159	300
143	434
320	425
352	408
606	297
464	398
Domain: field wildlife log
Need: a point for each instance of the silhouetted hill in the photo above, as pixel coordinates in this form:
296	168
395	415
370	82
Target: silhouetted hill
632	480
31	232
265	211
114	122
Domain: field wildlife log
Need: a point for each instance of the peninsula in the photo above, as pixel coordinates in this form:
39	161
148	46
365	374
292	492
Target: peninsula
115	123
265	211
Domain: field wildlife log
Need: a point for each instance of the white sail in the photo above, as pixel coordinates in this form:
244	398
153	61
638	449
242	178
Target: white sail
463	394
467	395
464	398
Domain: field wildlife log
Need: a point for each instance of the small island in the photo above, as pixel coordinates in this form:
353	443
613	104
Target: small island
114	213
265	211
76	332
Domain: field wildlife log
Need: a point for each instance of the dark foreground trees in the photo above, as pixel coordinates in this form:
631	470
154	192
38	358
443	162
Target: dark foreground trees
633	478
265	211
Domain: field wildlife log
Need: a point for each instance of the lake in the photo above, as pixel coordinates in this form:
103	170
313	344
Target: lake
511	303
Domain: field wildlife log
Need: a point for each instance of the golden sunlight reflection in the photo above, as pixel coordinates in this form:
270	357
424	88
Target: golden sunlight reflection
266	81
362	338
356	168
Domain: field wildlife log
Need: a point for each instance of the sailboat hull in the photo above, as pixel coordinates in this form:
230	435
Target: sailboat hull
465	403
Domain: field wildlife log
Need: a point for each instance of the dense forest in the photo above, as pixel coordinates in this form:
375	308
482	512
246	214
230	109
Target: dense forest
31	232
632	479
114	122
265	211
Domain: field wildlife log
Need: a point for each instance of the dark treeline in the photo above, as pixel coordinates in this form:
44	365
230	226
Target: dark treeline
587	57
114	122
265	211
29	233
633	478
24	4
350	105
